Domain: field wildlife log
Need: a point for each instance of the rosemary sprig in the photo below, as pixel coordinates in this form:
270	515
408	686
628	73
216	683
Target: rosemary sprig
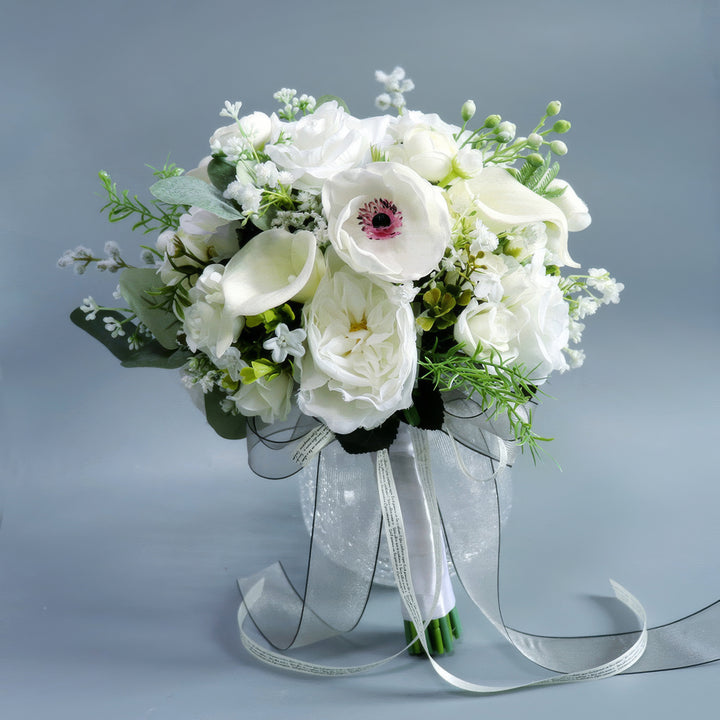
157	217
497	387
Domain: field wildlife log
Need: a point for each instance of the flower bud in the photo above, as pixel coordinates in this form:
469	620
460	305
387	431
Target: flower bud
507	128
491	121
468	110
558	147
561	126
535	159
535	140
553	108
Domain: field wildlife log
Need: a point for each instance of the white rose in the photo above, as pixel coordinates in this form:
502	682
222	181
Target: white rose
201	237
576	211
274	267
387	221
542	320
270	399
503	203
486	327
324	143
207	326
361	360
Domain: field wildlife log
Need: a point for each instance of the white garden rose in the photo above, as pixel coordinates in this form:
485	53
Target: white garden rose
541	319
486	327
387	221
271	400
326	142
504	204
207	327
201	237
576	211
274	267
361	361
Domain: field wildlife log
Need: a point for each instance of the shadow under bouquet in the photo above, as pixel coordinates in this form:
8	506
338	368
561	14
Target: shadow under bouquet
379	300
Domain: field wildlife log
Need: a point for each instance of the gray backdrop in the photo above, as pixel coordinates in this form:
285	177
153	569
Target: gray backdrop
126	521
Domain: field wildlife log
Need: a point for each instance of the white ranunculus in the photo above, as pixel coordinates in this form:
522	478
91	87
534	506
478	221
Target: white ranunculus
326	142
387	221
269	399
425	143
362	357
274	267
487	327
541	316
201	237
251	130
207	326
576	211
503	204
428	152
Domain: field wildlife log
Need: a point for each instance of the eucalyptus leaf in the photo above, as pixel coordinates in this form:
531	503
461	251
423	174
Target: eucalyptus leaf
153	354
329	98
230	427
118	346
135	283
188	190
221	173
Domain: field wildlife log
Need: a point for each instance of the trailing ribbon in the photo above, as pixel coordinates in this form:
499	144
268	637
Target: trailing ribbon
349	516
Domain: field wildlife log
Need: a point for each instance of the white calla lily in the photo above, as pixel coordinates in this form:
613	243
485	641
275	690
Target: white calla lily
274	267
503	203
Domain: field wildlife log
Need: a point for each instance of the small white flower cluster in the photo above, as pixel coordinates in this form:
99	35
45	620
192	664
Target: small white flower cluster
292	103
396	85
81	258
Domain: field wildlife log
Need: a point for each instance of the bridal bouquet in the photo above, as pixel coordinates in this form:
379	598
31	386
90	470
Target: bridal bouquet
360	273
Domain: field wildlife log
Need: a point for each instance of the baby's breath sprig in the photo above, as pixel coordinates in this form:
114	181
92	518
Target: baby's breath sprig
82	257
292	104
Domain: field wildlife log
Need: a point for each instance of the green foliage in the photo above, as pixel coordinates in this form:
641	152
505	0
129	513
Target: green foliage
150	354
226	425
189	190
221	173
498	388
156	217
138	286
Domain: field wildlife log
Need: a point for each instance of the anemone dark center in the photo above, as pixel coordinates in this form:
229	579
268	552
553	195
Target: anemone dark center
381	220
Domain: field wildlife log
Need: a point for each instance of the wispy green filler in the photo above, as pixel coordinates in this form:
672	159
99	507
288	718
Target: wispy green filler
156	217
495	386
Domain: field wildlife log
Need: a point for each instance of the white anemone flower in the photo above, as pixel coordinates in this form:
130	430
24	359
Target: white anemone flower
386	221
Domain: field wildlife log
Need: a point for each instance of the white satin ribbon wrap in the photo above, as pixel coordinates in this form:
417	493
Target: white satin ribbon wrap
470	457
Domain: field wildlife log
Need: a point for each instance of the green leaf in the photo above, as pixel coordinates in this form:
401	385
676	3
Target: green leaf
363	441
230	427
153	354
221	173
188	190
96	328
134	286
329	98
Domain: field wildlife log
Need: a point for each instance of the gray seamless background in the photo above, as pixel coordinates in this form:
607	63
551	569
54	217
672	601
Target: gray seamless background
126	521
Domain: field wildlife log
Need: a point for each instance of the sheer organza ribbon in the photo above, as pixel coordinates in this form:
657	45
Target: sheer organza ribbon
356	499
